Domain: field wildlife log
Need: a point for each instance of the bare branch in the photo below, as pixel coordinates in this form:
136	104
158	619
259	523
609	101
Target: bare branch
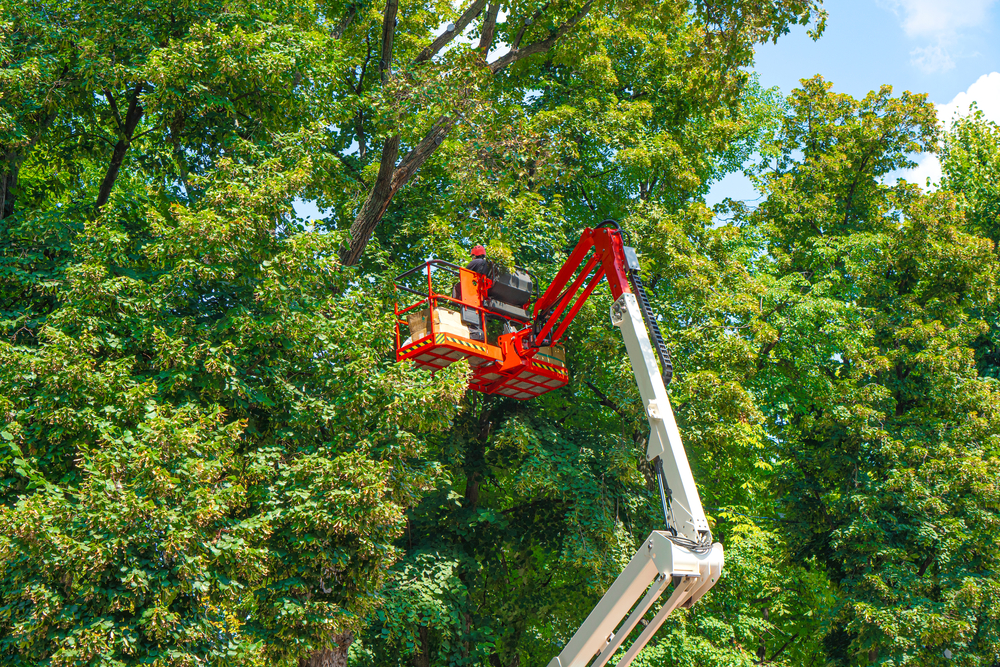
489	28
472	12
344	22
517	53
388	32
603	399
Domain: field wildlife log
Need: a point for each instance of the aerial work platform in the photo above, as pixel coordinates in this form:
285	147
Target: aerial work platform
451	321
440	328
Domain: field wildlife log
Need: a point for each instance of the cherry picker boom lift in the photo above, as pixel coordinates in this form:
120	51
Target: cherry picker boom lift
526	362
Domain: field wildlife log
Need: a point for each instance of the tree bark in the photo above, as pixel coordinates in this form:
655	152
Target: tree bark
388	34
126	128
448	35
13	160
7	196
331	657
516	53
345	22
489	28
390	179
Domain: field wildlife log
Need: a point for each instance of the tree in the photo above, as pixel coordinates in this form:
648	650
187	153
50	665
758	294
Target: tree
484	569
208	454
970	161
887	436
205	452
722	37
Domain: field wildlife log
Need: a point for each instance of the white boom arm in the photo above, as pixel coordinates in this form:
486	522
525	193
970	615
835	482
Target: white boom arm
692	565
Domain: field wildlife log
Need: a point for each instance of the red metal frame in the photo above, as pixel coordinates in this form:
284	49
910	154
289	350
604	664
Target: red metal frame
515	366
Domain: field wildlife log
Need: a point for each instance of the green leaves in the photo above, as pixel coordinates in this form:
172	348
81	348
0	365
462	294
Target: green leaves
883	415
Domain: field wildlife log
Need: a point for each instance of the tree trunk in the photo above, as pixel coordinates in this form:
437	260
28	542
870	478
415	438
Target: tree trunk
382	193
14	160
390	179
117	157
331	657
489	28
7	184
423	656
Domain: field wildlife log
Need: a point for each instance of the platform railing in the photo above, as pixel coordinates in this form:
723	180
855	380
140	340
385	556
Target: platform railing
430	298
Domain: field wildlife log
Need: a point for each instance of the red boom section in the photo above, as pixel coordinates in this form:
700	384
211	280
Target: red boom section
555	310
523	364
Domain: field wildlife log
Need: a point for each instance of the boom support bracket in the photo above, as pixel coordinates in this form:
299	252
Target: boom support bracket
658	563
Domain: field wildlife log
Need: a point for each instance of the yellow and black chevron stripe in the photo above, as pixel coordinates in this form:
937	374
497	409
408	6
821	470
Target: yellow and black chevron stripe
441	339
424	343
549	367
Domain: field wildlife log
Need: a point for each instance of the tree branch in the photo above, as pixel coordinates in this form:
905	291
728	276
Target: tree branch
114	109
353	171
448	35
527	22
927	562
132	117
517	53
489	28
390	180
14	160
374	207
419	154
603	399
783	647
388	33
364	66
344	22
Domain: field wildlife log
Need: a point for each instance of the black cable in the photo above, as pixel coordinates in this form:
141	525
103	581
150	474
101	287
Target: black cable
703	546
654	328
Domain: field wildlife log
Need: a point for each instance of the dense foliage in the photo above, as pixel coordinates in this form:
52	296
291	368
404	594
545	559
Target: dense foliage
208	456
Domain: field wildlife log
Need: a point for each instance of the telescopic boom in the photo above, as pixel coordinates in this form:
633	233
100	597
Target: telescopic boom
683	555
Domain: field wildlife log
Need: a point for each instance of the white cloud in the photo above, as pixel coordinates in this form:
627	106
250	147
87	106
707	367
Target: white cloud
936	18
928	167
985	93
941	24
935	58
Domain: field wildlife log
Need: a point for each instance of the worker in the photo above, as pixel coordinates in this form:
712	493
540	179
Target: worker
470	317
479	263
509	293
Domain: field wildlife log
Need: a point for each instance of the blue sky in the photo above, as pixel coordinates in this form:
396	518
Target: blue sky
944	48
